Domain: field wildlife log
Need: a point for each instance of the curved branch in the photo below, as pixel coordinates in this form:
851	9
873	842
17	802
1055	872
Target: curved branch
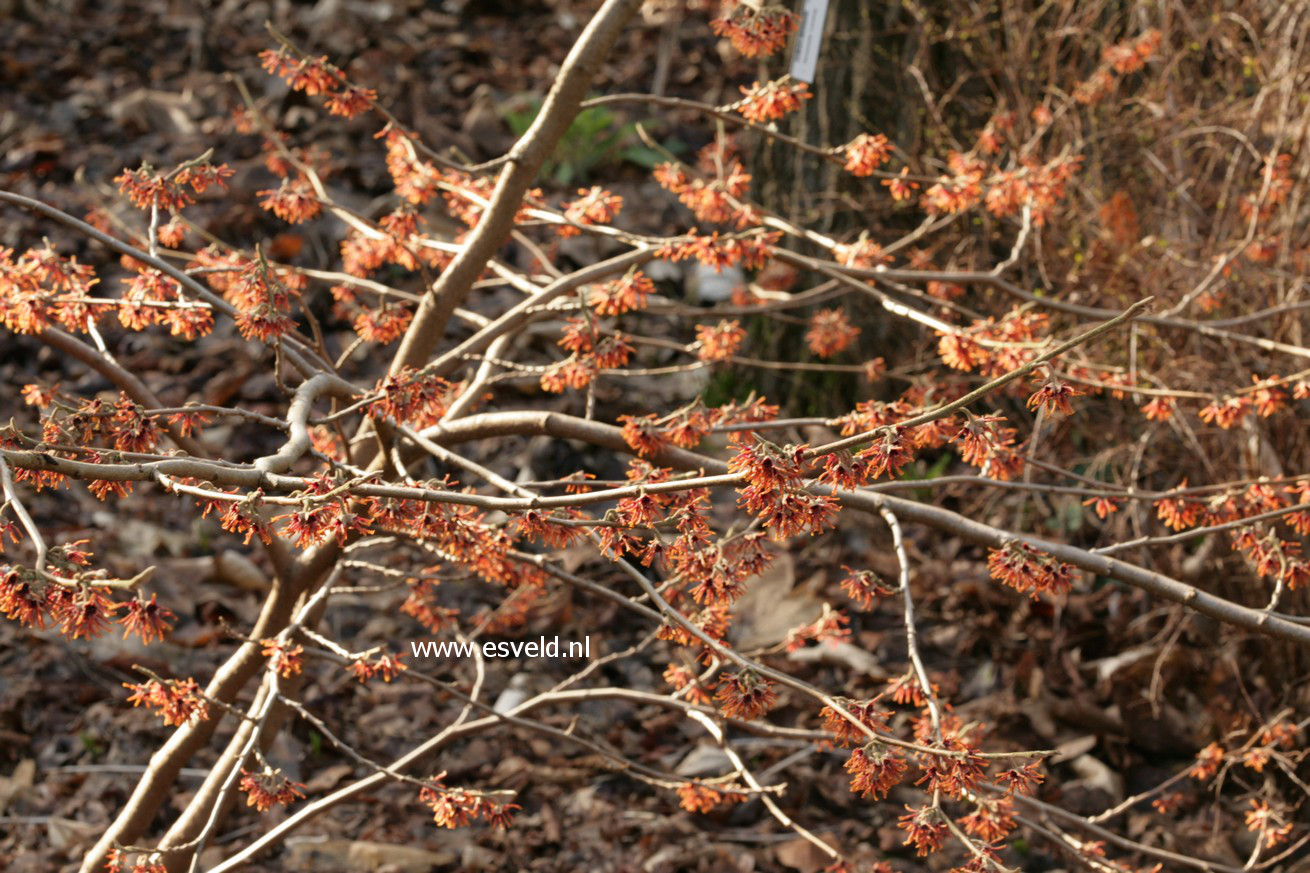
298	441
525	160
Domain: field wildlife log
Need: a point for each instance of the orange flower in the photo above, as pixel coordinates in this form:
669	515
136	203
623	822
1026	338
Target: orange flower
314	76
387	666
863	586
1179	513
925	829
719	342
179	701
383	325
643	434
866	153
901	187
1102	506
411	398
269	788
1054	396
1208	761
875	770
703	798
888	455
1027	569
991	820
86	613
684	680
1226	412
1159	409
1021	780
830	332
145	188
594	206
19	601
286	659
293	202
351	101
841	470
772	100
147	619
745	695
754	29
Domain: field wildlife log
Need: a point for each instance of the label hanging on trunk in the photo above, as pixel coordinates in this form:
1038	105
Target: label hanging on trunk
809	39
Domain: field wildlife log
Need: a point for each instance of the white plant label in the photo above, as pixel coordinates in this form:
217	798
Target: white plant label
809	39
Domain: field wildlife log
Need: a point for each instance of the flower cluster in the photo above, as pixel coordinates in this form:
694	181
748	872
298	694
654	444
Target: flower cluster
122	425
397	241
717	197
1053	396
417	181
686	427
1274	557
592	351
268	788
774	491
319	520
847	733
383	324
992	346
315	77
875	770
147	619
830	332
153	298
460	533
704	798
148	188
293	201
772	100
687	684
864	586
754	29
243	516
457	807
890	452
1118	60
387	666
263	301
411	397
925	829
77	610
957	192
617	296
745	695
749	252
901	186
1039	186
830	627
866	153
179	702
719	342
1181	512
1227	411
1029	570
986	443
40	288
285	659
594	205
